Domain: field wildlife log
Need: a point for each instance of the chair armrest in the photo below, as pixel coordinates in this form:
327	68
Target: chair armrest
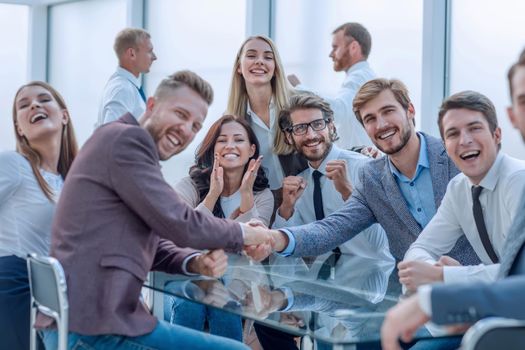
495	333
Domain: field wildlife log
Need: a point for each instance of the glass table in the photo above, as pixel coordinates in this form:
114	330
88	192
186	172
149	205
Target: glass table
334	300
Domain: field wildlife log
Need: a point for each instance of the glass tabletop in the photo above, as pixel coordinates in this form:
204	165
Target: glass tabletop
333	298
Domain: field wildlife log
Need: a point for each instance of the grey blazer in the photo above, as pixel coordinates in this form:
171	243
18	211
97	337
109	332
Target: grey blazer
378	199
117	219
504	298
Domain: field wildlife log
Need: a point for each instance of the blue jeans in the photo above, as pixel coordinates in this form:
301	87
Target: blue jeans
164	336
193	315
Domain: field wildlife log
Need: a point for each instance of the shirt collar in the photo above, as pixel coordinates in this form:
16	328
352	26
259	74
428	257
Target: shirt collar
422	161
490	180
358	65
333	154
128	75
271	107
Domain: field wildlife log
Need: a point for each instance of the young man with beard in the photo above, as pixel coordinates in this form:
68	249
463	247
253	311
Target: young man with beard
351	45
480	203
327	183
468	302
117	219
400	191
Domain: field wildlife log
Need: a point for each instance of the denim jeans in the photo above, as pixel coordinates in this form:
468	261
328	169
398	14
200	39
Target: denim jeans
193	315
164	336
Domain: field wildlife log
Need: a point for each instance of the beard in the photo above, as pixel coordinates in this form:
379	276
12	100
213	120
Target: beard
406	132
314	157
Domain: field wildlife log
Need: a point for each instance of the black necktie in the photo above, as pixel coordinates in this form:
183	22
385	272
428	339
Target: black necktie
142	94
480	224
318	198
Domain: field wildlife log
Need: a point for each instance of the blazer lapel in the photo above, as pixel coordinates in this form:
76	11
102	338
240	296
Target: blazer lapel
438	160
397	201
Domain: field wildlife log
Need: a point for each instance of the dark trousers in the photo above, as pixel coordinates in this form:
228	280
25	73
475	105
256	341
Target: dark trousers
14	303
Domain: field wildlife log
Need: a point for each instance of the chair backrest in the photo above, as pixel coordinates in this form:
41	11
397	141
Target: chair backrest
495	333
48	295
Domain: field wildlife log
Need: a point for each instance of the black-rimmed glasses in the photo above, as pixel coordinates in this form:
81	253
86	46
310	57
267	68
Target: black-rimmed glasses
301	129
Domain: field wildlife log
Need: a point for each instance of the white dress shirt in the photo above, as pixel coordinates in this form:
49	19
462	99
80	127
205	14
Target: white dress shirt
351	132
372	241
25	212
503	186
265	135
121	95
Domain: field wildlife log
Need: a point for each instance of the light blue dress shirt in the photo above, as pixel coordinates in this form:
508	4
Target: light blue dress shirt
417	191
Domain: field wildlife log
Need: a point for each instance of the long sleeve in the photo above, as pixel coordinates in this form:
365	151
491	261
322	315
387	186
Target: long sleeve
10	178
262	208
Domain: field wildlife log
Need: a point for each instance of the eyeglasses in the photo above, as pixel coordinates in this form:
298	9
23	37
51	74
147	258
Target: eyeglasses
301	129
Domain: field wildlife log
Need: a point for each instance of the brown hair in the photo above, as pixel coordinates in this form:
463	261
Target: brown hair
306	100
205	155
373	88
470	100
68	145
185	78
129	37
512	71
357	32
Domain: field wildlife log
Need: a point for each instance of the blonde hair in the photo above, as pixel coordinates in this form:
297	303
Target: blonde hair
129	37
281	91
68	143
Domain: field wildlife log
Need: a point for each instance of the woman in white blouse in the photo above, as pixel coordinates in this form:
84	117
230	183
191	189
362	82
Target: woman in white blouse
226	181
30	181
258	92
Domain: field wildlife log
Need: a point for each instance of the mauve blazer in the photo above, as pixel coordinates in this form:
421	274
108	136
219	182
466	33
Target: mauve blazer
117	219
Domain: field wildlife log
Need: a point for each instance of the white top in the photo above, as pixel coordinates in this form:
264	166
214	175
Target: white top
502	189
121	95
265	135
351	132
371	242
262	202
25	212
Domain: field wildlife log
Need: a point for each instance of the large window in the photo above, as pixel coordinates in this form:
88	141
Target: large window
304	39
200	35
483	48
14	20
81	56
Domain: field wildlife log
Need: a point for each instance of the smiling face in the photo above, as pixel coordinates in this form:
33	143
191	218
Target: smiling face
470	143
233	146
387	123
174	119
257	62
313	145
38	114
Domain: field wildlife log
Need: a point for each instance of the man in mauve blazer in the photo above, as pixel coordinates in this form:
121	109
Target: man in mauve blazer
117	219
467	303
378	197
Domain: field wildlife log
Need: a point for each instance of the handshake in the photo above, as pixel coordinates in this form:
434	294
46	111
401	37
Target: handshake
260	241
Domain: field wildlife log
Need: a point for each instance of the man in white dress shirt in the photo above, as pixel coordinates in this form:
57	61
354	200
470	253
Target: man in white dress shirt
351	44
308	125
123	92
480	203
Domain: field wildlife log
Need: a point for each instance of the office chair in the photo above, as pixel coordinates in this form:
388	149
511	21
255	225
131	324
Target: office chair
495	333
48	295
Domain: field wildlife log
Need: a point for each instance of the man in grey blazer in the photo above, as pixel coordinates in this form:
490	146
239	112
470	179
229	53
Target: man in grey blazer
467	303
400	191
117	219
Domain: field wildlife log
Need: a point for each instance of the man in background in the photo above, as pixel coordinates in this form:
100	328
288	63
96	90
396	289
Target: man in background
123	92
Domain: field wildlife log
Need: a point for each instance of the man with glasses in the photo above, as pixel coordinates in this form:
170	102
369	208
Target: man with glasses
324	187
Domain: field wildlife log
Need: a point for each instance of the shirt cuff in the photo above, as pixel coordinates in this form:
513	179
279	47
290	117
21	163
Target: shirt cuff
291	243
242	232
454	274
425	301
185	264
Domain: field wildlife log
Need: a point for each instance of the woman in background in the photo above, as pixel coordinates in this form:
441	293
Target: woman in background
258	92
228	182
31	179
